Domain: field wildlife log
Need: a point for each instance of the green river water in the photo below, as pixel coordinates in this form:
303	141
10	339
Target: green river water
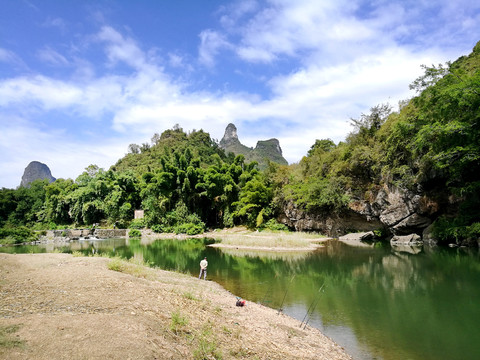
375	302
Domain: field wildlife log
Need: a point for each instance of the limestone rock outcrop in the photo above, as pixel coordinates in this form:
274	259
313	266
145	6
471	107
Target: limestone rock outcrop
397	211
401	211
34	171
327	223
264	151
230	138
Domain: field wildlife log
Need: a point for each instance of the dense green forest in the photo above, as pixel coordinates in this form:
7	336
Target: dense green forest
186	183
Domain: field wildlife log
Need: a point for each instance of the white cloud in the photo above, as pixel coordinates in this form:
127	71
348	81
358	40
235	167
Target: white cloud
122	49
38	90
340	30
211	42
52	57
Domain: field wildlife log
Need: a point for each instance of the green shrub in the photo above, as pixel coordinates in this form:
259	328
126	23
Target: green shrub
190	228
274	225
116	264
450	230
134	233
137	224
162	228
380	233
17	235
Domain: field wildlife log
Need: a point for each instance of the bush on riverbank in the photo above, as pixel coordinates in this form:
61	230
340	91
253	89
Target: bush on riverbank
134	233
452	231
17	235
184	228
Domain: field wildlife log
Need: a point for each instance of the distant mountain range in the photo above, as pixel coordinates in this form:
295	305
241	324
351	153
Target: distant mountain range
264	151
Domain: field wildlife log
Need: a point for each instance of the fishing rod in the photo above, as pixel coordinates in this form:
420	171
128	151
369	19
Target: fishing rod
312	307
269	289
285	295
311	304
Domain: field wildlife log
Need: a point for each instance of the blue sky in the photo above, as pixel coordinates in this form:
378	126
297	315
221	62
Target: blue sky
81	80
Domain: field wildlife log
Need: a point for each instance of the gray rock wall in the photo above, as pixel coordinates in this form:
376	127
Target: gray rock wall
399	211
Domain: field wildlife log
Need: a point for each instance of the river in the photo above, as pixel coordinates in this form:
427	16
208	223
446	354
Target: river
377	303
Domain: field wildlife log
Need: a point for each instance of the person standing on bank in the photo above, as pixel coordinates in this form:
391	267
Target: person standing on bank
203	269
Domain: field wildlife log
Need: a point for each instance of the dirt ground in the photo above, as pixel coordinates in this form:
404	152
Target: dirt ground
56	306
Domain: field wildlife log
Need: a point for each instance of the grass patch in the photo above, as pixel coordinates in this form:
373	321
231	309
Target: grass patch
135	267
268	238
207	347
190	296
7	339
178	322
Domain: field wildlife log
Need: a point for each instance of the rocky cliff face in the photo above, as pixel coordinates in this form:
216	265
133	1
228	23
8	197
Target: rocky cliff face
264	150
398	211
34	171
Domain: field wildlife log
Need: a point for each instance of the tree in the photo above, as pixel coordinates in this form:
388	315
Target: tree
145	147
324	145
134	149
57	205
430	77
372	122
155	139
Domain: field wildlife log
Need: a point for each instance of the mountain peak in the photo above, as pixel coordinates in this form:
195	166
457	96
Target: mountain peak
34	171
230	137
266	150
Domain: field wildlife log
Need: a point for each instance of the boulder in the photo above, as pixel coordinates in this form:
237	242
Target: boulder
411	239
368	236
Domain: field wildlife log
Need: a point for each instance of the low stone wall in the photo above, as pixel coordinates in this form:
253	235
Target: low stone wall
69	233
85	233
110	233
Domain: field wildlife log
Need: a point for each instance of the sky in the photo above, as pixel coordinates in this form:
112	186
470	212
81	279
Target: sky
80	80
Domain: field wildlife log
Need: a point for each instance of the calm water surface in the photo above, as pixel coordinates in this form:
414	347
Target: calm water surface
376	303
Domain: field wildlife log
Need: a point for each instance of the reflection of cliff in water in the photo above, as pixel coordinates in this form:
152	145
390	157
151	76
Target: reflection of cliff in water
418	306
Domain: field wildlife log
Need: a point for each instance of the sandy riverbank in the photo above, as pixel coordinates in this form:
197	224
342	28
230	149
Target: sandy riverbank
245	239
56	306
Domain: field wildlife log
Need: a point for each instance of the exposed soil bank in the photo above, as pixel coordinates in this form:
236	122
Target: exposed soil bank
69	307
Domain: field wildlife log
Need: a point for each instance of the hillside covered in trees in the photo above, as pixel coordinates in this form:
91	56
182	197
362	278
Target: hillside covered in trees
427	154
